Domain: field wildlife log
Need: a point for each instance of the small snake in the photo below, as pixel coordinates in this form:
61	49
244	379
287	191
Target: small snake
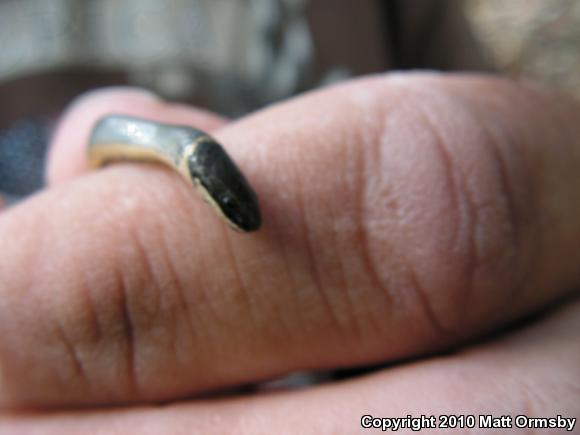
192	153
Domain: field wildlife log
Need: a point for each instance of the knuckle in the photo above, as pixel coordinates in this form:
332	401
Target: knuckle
128	318
490	189
150	311
443	203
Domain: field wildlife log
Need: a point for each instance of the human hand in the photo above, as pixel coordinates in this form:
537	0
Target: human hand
403	216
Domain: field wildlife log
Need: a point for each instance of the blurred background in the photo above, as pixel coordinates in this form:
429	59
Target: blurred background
538	39
236	56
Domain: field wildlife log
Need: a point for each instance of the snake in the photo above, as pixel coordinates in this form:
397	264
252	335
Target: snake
194	154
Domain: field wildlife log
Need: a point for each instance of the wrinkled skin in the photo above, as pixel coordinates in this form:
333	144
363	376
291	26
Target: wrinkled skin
427	219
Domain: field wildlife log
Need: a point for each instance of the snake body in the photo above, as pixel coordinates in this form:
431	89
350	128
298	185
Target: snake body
191	152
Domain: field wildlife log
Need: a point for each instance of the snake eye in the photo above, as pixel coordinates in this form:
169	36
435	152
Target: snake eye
223	182
231	208
228	201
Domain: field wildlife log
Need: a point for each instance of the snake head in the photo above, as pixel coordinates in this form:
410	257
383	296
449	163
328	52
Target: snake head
224	186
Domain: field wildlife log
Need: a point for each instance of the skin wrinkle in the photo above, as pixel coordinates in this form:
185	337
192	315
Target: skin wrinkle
242	286
73	354
522	197
111	343
291	279
247	291
278	222
93	312
178	286
125	284
169	291
369	232
34	291
309	243
450	171
513	203
217	321
202	295
311	259
486	253
164	307
179	291
155	287
274	307
26	289
442	331
85	281
275	231
361	193
544	188
287	328
528	209
469	269
474	258
343	280
94	319
398	270
481	229
128	330
90	330
519	284
356	328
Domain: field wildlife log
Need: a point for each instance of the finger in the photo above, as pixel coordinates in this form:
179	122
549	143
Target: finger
67	154
529	376
400	216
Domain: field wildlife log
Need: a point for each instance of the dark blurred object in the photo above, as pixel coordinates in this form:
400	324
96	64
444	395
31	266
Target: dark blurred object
430	35
22	153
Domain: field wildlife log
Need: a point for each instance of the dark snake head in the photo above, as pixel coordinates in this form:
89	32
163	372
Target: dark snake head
224	184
